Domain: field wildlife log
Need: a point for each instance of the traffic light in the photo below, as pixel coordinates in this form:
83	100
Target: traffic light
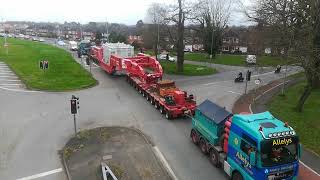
41	64
73	106
248	76
88	61
46	64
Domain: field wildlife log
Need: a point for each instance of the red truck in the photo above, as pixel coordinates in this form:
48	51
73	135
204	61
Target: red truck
144	73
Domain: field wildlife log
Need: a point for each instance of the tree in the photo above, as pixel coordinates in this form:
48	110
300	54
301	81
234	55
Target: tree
212	16
295	24
115	37
307	45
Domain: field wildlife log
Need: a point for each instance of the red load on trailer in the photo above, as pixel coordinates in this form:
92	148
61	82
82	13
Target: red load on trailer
144	73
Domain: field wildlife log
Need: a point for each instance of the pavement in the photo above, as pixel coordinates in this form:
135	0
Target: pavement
8	79
35	125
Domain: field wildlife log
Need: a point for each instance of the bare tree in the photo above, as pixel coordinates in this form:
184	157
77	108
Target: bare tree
212	17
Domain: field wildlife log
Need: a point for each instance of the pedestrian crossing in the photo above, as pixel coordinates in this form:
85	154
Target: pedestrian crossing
8	79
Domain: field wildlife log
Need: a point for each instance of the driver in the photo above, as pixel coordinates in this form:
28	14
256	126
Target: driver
276	154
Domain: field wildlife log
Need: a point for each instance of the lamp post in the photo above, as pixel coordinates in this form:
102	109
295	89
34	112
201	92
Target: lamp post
211	43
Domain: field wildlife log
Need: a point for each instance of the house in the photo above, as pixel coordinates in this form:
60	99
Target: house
230	41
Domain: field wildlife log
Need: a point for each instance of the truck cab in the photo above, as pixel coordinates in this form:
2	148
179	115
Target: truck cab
84	48
247	146
262	147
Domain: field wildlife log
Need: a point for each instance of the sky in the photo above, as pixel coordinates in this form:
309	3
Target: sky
83	11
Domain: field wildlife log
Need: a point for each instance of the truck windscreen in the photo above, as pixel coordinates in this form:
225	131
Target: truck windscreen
279	151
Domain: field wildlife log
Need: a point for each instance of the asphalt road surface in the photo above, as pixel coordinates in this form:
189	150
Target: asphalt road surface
35	125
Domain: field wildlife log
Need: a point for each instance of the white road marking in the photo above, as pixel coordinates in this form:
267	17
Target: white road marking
41	174
10	84
1	72
234	92
309	168
212	83
165	163
18	90
7	76
9	80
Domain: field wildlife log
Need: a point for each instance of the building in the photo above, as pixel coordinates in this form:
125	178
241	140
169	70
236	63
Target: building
230	41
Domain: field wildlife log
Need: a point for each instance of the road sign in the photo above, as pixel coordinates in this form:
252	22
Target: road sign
257	81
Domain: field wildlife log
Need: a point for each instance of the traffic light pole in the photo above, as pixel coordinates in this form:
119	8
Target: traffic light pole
245	90
75	124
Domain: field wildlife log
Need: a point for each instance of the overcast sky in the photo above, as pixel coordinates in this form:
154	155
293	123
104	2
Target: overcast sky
118	11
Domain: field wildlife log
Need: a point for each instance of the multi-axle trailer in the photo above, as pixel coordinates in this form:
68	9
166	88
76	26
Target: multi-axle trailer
144	73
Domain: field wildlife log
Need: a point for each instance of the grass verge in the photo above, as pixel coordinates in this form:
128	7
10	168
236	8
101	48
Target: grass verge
189	69
63	74
235	60
306	123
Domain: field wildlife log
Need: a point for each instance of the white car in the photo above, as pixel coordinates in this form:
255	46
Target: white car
251	59
61	43
164	57
41	39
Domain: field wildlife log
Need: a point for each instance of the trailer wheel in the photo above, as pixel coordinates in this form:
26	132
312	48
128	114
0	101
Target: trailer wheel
148	97
203	146
143	94
156	105
194	137
237	176
161	109
168	115
214	157
140	91
152	101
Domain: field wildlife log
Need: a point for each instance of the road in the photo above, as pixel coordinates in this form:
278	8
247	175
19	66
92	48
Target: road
34	125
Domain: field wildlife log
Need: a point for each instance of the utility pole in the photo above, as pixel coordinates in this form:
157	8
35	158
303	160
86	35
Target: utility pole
211	43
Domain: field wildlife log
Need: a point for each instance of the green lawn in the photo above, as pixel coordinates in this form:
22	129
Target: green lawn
307	123
189	69
63	73
234	60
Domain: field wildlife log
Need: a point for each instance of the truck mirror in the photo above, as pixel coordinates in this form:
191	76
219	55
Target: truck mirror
252	158
299	150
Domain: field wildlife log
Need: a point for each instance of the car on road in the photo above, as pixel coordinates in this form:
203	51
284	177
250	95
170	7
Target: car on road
73	45
41	40
251	59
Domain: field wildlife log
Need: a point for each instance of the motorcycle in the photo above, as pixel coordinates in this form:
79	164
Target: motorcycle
239	78
278	69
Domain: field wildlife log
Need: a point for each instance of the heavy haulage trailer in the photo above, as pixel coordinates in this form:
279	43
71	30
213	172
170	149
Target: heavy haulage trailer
247	146
144	73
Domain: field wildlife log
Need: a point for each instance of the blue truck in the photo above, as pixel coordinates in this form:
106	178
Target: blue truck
84	48
247	146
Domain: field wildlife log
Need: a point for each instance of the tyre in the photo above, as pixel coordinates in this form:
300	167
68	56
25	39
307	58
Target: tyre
156	105
140	91
143	94
168	115
194	137
214	157
237	176
161	109
152	101
203	146
148	97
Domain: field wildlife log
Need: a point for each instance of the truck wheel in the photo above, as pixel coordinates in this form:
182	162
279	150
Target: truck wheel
194	137
168	115
140	91
237	176
152	101
148	97
214	157
203	146
143	94
161	109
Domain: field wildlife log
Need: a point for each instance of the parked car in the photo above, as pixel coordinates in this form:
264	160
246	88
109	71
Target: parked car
73	45
61	43
251	59
164	57
41	39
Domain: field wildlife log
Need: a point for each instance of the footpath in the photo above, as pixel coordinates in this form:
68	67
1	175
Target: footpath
255	101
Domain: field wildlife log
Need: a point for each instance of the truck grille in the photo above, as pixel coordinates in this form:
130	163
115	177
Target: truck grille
280	175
